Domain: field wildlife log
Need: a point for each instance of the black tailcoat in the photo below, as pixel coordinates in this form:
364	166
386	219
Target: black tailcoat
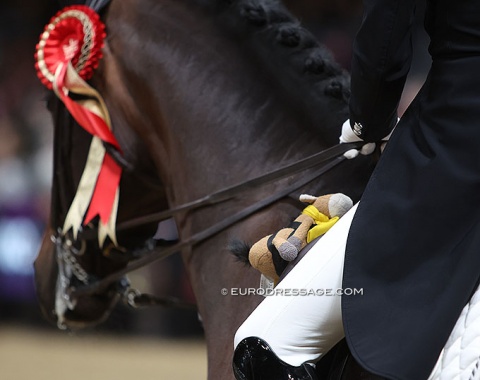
414	245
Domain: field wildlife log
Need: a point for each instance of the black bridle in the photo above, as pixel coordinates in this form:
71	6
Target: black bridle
149	254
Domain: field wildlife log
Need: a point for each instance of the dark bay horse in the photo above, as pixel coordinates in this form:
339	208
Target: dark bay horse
204	94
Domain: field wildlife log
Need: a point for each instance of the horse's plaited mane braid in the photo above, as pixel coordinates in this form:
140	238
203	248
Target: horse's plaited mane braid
271	17
289	54
274	19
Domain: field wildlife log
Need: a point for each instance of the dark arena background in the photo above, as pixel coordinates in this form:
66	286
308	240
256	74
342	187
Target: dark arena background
144	344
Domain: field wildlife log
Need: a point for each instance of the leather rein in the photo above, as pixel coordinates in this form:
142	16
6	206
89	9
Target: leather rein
86	285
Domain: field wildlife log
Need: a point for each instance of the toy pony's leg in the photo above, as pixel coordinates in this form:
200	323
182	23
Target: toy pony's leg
255	360
289	246
300	320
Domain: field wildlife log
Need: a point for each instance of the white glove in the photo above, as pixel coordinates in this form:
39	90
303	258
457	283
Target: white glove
348	136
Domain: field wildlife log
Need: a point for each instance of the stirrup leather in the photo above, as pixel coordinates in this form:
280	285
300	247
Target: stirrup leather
255	360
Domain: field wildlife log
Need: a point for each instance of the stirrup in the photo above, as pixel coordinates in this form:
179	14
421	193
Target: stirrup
255	360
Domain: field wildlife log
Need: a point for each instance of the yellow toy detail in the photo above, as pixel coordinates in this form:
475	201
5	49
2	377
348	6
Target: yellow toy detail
271	254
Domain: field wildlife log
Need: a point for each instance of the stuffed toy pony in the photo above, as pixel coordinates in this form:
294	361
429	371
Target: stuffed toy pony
271	254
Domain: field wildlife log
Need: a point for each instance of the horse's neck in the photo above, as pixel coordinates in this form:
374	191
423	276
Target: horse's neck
214	110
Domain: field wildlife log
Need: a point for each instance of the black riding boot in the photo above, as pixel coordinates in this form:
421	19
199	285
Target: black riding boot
254	360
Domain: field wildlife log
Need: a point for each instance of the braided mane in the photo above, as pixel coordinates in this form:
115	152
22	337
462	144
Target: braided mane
290	55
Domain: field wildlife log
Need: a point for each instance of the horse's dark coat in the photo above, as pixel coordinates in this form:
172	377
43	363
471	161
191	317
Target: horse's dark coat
203	95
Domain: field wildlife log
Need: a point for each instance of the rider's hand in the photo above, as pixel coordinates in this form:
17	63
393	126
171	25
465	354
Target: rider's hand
348	136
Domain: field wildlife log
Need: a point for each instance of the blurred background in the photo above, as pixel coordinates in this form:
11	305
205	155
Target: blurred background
25	155
25	176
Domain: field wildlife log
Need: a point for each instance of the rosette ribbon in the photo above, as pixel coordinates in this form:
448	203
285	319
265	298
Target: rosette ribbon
68	52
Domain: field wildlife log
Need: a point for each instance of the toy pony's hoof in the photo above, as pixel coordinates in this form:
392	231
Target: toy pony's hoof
296	242
288	251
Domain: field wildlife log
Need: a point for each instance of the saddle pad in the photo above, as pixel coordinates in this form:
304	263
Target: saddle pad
460	358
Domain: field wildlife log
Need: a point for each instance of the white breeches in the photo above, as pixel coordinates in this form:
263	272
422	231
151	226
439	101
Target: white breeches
302	320
302	328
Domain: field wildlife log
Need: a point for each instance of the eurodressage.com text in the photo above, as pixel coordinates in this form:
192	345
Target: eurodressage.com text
269	292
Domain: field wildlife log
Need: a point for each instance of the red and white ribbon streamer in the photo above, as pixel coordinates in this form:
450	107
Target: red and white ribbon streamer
68	52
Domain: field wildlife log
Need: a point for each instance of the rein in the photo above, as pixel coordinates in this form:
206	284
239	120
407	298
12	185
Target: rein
133	297
233	191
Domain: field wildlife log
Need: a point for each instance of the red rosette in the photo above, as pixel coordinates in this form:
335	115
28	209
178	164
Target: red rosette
75	34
